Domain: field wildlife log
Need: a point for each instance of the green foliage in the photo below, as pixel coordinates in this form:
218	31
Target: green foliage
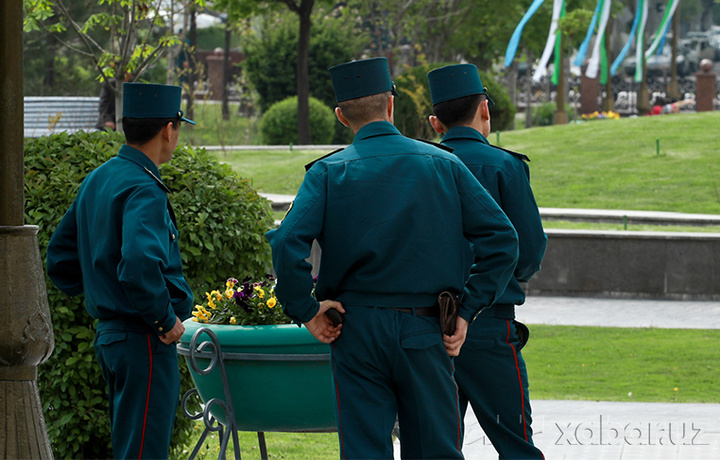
222	222
271	59
542	115
278	126
414	105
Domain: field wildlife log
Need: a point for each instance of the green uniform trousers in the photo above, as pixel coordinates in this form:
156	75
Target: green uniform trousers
492	377
143	381
389	364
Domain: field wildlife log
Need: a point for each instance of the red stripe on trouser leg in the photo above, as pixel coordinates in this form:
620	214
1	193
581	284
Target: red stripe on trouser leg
147	401
457	405
522	392
339	418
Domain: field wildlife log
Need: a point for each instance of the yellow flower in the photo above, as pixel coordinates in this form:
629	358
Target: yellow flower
271	302
208	295
217	295
229	284
233	320
211	304
229	293
259	291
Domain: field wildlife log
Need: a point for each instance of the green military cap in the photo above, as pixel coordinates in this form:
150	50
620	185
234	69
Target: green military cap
145	100
361	78
456	81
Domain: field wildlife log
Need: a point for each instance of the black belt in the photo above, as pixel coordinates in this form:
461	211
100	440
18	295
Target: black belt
421	311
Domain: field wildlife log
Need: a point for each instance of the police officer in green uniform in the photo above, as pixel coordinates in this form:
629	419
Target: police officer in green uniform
393	217
118	245
490	370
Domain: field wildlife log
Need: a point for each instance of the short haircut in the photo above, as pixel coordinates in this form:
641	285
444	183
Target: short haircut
365	109
458	111
140	131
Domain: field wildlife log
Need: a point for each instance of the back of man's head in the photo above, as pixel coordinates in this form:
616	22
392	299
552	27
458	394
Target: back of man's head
458	112
140	131
364	110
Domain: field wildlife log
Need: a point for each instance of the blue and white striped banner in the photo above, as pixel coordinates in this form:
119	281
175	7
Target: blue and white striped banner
582	51
594	64
640	46
515	39
623	53
541	69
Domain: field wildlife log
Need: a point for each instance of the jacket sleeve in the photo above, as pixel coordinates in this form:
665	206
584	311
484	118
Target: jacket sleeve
146	236
63	260
494	244
291	245
519	204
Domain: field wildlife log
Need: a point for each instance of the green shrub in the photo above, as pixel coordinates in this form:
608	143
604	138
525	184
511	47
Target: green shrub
542	115
414	105
278	126
222	222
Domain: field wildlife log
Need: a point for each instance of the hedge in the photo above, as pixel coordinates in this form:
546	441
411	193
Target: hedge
279	125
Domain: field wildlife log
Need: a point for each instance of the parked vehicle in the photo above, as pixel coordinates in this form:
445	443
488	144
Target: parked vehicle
659	65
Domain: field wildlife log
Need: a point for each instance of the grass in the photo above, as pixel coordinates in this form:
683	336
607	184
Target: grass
623	364
317	446
567	363
566	225
211	129
606	164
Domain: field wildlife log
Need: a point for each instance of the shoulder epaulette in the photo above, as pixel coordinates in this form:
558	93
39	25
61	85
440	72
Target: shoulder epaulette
520	156
309	165
157	180
444	147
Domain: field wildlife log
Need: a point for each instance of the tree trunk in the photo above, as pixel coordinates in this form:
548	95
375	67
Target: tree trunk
192	62
643	100
512	87
560	116
528	90
303	73
226	74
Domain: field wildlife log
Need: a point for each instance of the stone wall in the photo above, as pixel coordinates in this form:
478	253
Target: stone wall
660	265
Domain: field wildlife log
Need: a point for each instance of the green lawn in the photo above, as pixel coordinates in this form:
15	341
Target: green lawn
605	164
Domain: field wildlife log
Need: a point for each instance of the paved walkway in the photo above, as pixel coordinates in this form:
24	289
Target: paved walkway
615	430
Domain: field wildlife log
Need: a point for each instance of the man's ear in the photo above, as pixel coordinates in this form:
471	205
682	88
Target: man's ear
484	110
391	108
167	132
341	118
435	123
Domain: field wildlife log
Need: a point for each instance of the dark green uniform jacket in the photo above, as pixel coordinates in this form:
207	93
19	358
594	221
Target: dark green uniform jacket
118	244
507	178
393	217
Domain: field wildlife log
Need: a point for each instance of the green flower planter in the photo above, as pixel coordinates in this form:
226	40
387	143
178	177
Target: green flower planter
278	376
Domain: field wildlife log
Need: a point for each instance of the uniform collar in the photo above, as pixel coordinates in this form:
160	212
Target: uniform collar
136	156
139	158
464	132
374	129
